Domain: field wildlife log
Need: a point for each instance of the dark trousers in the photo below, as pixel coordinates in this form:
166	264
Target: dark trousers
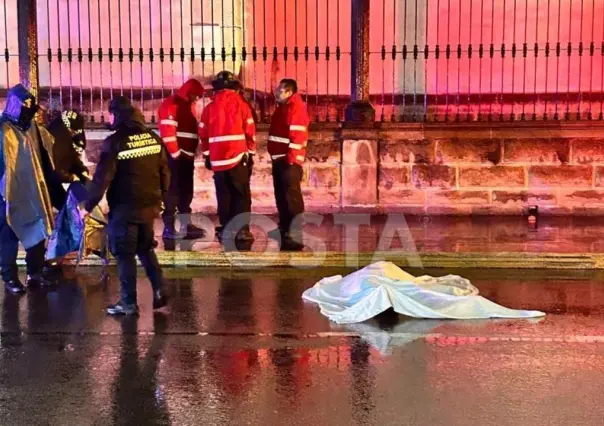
180	194
233	194
127	240
288	195
9	246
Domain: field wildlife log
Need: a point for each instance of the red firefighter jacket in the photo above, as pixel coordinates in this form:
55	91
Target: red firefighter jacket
227	130
177	124
288	134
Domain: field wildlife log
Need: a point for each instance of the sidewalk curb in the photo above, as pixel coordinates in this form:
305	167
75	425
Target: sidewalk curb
308	260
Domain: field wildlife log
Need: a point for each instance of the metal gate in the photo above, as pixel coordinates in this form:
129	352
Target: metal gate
429	60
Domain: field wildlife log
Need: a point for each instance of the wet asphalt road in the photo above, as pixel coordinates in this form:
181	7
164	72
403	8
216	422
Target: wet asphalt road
243	348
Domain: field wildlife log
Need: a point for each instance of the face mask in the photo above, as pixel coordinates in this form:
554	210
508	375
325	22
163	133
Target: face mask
28	112
197	108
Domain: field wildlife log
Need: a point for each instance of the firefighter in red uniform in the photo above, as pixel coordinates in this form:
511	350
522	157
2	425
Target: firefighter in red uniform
178	130
288	136
227	132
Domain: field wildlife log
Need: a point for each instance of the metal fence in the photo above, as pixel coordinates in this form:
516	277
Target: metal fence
435	60
91	50
452	60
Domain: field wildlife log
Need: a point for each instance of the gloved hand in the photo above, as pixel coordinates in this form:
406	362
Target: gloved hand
83	212
208	164
250	165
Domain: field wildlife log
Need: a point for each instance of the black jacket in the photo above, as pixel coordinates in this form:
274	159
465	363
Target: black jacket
133	169
67	161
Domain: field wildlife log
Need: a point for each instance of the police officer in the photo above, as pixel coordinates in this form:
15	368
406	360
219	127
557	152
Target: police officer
133	170
227	131
70	143
288	136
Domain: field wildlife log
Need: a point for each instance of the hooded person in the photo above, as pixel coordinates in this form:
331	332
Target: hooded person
70	143
133	170
178	130
27	180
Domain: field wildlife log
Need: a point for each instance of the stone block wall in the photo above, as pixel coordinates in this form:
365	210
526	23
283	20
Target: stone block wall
473	169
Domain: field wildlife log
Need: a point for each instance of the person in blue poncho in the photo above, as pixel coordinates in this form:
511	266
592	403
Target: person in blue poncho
27	183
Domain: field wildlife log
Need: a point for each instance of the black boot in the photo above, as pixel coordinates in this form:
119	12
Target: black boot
120	308
14	286
52	271
291	244
170	229
218	233
39	280
245	235
159	299
244	240
192	232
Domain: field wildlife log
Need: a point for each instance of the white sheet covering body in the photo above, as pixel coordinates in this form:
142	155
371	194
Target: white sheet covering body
382	285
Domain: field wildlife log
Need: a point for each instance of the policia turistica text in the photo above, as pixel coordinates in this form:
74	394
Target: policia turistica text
133	169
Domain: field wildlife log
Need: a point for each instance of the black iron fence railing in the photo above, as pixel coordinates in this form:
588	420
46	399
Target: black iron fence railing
434	60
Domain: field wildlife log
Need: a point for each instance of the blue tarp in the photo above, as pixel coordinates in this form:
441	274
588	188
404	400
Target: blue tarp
67	236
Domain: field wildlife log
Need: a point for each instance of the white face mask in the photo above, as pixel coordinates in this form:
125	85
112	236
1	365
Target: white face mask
282	94
198	106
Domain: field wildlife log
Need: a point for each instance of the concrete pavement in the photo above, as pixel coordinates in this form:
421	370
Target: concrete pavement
243	348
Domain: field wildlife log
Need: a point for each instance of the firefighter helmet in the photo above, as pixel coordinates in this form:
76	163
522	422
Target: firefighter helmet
225	80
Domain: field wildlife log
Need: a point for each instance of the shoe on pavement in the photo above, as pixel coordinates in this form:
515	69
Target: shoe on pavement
171	234
120	308
245	235
218	233
291	245
192	232
52	271
159	300
39	280
14	287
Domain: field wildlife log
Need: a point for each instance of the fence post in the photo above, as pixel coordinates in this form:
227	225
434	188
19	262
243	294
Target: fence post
360	109
27	36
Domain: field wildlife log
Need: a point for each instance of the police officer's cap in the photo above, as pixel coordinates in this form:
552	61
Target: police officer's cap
120	104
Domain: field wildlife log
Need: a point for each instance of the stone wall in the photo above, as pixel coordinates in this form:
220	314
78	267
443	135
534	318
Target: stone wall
479	168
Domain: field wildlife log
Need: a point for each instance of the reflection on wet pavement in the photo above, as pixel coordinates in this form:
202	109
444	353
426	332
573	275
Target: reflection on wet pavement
237	348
